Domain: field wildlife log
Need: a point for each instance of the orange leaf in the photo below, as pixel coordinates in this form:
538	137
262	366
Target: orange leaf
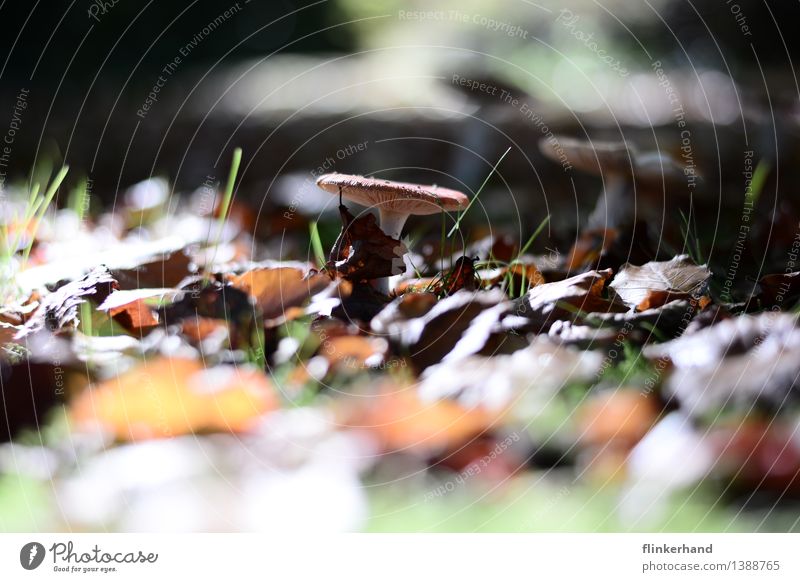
174	396
400	420
276	289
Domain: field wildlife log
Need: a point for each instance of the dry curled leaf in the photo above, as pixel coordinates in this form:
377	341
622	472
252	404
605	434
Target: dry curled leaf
471	317
678	278
136	317
363	252
59	309
460	276
589	247
168	397
569	299
129	308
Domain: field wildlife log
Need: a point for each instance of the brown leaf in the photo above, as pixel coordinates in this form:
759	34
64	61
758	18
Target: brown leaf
276	289
519	382
679	276
354	352
569	299
402	422
735	364
198	329
658	298
363	252
129	308
214	301
161	271
169	397
433	335
590	245
136	317
460	276
60	308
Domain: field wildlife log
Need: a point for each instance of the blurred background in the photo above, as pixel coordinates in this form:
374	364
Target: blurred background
124	91
428	92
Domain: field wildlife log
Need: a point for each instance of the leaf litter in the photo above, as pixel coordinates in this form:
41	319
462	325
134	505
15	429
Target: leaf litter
173	339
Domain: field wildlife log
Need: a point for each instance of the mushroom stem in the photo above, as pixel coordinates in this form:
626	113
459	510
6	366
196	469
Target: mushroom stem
392	222
616	205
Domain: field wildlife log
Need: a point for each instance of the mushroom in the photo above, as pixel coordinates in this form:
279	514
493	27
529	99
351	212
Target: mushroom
395	201
626	174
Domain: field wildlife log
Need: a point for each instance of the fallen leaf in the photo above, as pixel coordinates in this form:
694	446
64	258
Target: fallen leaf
590	246
363	252
168	397
734	365
679	277
129	308
214	301
122	260
527	378
400	421
276	289
354	352
59	309
665	322
199	329
569	299
136	317
429	338
121	298
461	276
658	298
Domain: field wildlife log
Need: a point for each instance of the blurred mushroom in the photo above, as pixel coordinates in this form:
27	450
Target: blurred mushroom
395	201
627	176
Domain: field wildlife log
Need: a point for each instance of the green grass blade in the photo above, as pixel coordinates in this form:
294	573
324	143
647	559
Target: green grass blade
457	225
316	243
533	237
227	196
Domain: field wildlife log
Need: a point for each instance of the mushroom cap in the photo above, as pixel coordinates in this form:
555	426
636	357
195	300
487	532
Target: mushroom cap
397	197
593	157
616	158
655	169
